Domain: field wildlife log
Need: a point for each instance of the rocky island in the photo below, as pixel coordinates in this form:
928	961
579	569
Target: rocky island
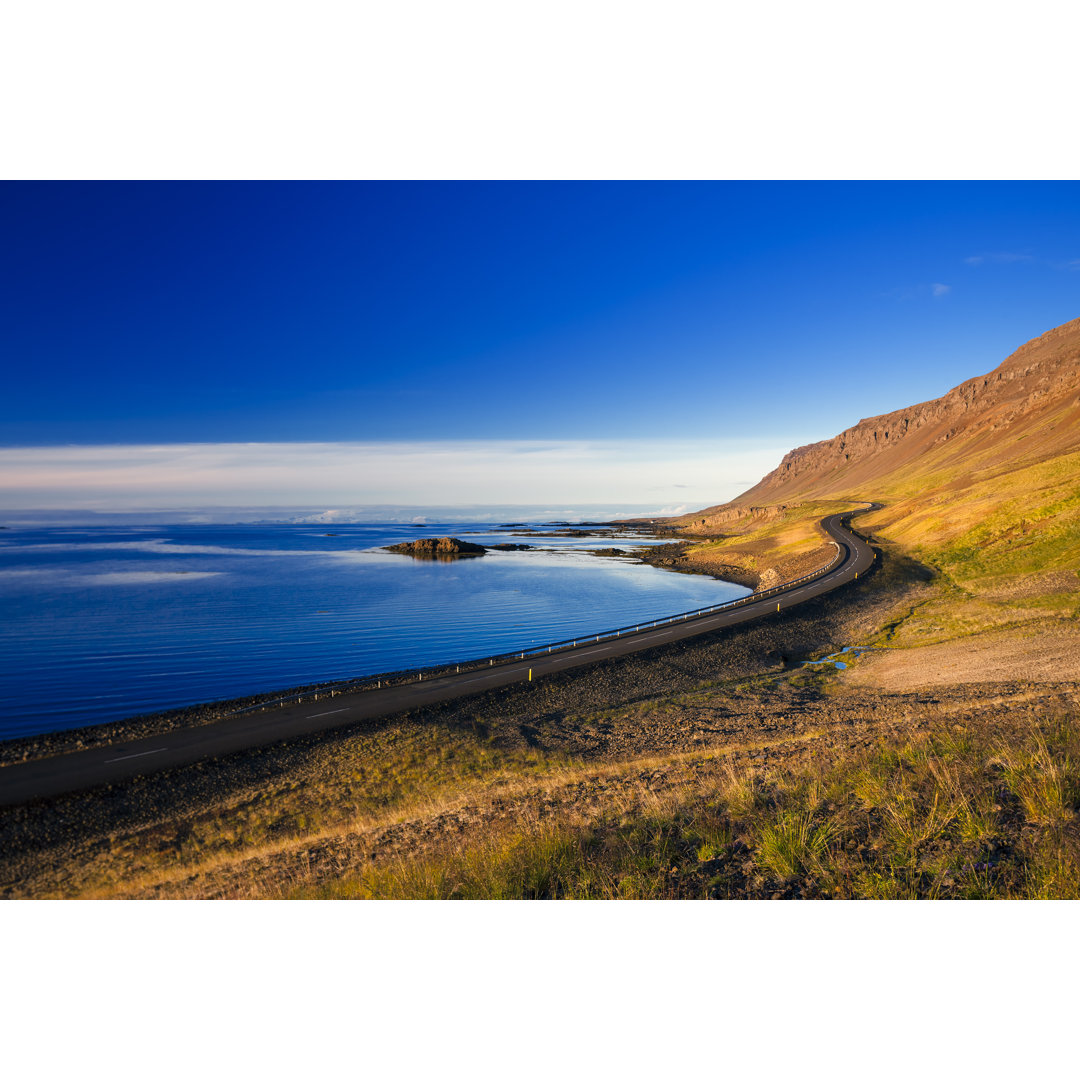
441	547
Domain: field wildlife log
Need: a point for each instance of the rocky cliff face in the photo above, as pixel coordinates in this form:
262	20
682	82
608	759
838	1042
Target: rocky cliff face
1026	410
728	515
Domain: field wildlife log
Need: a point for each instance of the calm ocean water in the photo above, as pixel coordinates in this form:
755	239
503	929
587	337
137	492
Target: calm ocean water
104	623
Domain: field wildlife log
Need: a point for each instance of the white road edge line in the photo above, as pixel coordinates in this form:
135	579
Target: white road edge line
143	753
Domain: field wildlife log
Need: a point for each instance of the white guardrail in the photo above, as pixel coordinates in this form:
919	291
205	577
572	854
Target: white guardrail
400	678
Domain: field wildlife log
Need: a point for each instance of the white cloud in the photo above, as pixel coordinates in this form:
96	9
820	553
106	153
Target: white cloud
940	290
203	475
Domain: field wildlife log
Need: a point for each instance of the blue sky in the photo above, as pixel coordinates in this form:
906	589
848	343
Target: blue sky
741	317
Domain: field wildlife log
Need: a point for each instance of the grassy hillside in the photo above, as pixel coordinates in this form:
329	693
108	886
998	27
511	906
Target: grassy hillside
1002	548
999	524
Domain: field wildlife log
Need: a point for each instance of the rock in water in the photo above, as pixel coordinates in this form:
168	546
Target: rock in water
442	547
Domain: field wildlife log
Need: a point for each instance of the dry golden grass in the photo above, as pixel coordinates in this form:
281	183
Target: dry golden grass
952	808
947	815
359	787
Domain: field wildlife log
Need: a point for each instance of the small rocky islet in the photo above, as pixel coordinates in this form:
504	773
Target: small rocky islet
449	547
438	547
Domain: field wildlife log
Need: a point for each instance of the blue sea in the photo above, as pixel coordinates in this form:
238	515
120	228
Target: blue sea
104	623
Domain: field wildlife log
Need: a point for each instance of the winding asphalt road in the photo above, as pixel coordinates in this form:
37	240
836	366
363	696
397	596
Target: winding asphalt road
82	769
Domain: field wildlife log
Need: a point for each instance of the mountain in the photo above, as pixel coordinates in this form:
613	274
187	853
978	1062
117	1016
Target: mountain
982	424
979	476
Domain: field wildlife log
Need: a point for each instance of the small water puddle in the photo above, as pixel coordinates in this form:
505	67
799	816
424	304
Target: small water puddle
855	651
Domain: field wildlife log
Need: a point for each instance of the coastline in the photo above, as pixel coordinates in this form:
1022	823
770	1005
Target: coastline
757	571
754	562
679	556
53	743
139	725
194	699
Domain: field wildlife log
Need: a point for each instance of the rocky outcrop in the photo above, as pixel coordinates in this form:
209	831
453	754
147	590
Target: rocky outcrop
770	578
443	547
730	515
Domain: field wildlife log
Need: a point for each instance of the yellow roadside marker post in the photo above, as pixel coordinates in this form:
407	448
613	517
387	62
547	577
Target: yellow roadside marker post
530	674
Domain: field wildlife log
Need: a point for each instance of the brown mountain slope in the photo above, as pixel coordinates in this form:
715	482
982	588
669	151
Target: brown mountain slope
1024	412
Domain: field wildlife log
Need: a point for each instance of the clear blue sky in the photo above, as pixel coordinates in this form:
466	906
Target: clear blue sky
277	312
263	311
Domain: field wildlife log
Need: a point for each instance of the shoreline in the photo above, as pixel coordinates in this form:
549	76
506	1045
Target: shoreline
678	557
46	744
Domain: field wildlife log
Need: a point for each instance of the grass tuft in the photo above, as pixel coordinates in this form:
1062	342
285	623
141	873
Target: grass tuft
794	845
